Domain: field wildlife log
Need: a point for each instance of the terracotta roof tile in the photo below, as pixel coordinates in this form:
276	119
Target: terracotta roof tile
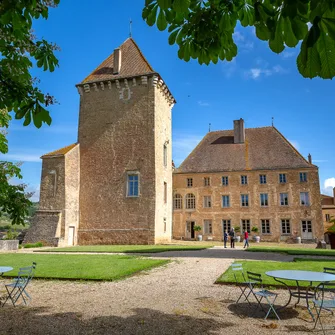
264	148
60	152
133	63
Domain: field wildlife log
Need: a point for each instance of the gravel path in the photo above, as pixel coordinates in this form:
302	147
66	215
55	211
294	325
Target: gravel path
179	298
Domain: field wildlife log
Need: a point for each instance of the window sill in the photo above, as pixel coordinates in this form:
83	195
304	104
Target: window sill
132	196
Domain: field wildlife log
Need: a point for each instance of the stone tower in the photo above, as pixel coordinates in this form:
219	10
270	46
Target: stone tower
125	152
114	186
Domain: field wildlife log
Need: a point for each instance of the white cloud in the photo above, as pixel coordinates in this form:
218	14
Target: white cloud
22	157
229	68
295	144
264	71
183	144
243	43
203	103
328	186
288	54
35	189
320	160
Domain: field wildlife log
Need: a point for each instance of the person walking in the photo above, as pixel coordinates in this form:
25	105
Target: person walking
232	238
246	239
225	238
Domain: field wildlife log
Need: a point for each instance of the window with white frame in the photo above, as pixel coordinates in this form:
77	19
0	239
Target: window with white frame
304	199
189	182
283	199
244	200
165	154
282	178
246	225
207	181
177	201
208	227
244	180
225	181
265	224
225	201
190	201
262	178
327	217
133	184
285	227
226	225
207	201
264	199
303	177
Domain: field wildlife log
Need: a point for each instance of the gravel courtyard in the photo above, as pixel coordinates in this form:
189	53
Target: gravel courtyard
179	298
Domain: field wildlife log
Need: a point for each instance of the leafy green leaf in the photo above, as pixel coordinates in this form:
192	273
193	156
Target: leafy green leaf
164	4
172	37
161	21
181	6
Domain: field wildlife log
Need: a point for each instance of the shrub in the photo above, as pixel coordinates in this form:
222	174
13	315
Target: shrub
254	229
11	235
33	245
237	229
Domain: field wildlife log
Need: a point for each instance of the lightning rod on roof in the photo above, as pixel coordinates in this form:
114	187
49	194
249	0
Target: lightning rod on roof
209	127
130	26
272	121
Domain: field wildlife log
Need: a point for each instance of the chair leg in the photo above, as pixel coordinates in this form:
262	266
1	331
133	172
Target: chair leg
271	308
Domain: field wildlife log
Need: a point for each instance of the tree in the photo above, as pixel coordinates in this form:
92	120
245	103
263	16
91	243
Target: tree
20	51
203	29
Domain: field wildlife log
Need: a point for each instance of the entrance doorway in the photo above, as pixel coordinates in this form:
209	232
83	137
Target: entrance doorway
71	236
306	230
190	229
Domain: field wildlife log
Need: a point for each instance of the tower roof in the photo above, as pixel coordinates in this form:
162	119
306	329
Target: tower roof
133	63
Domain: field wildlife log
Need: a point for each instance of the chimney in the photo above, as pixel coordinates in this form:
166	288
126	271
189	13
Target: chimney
309	158
117	61
239	132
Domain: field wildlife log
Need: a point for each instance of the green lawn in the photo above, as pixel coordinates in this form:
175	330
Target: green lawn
293	251
127	248
80	267
264	266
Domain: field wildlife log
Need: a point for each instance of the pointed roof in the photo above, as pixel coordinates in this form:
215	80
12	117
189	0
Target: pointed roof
133	63
60	152
264	149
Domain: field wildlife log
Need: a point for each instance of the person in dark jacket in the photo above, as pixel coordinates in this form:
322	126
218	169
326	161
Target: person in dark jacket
225	238
232	238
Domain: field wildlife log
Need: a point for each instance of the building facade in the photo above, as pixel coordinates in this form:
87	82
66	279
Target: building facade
114	186
247	178
328	209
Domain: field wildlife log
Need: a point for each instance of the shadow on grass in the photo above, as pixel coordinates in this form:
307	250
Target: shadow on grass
23	320
244	310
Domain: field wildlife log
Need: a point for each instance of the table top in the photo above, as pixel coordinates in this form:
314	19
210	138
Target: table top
4	269
299	275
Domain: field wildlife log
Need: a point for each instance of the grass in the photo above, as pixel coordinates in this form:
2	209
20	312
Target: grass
264	266
127	248
80	267
293	251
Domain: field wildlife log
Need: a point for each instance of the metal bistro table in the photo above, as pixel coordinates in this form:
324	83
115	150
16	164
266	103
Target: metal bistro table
4	269
301	276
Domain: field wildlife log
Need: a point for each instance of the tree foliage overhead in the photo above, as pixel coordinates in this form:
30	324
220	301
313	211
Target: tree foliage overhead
203	29
20	50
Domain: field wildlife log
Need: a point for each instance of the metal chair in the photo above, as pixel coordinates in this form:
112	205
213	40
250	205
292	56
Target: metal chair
241	282
324	299
269	296
18	287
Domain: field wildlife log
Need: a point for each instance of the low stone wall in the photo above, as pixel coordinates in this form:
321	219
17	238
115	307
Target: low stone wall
117	236
44	228
9	244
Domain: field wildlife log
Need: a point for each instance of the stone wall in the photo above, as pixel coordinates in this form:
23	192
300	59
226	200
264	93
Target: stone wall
116	136
45	227
163	213
273	212
6	245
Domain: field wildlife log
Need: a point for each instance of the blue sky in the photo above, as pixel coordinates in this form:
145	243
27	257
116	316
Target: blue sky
256	86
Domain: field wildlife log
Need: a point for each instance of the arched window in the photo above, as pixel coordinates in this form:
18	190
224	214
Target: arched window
190	201
177	201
